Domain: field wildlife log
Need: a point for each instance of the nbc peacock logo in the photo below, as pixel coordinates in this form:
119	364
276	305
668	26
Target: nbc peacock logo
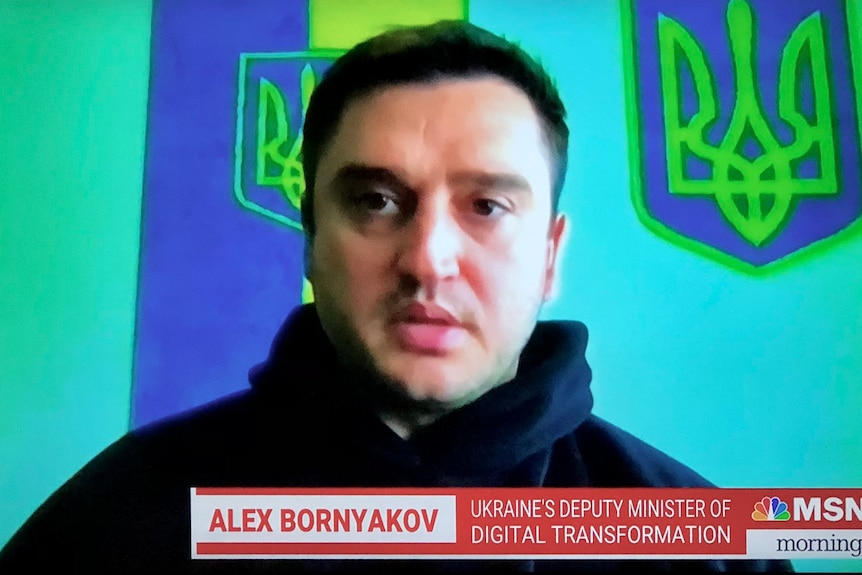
770	509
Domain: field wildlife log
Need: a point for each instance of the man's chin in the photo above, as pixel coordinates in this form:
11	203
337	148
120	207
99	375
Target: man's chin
433	394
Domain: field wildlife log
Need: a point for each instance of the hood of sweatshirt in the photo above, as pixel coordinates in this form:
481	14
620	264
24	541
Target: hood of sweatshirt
511	424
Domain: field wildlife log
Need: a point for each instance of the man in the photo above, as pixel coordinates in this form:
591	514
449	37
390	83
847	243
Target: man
434	158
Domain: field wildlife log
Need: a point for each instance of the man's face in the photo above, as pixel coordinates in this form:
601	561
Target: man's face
434	245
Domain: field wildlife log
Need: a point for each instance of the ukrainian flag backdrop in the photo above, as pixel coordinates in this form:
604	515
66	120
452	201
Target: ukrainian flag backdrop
149	245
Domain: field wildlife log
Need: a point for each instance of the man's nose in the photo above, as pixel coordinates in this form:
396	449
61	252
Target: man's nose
432	245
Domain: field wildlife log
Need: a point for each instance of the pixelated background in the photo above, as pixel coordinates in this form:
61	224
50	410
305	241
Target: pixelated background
143	271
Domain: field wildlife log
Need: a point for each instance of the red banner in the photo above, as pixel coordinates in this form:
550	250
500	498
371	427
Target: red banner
527	523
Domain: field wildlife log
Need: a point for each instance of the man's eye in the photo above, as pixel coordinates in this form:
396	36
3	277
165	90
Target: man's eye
375	202
487	207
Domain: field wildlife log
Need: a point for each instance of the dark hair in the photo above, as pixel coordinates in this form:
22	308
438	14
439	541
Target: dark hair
450	48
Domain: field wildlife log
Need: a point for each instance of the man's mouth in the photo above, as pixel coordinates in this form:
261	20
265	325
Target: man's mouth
426	313
427	329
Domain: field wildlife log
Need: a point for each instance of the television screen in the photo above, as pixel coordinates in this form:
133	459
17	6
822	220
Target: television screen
151	241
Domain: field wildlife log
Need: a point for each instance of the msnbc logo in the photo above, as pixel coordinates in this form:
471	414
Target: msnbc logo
770	509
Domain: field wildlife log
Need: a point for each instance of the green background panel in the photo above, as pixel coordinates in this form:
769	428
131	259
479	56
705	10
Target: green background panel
72	120
753	381
343	23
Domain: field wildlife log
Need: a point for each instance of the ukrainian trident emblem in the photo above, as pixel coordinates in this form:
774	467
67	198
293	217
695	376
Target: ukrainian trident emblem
747	132
273	95
274	90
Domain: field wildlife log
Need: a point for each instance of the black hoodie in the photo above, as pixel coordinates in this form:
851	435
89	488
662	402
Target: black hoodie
304	423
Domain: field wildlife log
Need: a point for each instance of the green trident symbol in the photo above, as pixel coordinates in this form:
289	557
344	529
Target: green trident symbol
755	195
273	134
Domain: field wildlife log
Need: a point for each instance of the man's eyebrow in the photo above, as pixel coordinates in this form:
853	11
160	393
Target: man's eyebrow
492	180
355	172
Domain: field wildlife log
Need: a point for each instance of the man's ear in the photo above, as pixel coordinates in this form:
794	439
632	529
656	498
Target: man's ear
556	238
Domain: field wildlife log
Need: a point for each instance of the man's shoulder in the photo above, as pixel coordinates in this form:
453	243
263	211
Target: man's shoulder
217	420
616	458
123	501
177	441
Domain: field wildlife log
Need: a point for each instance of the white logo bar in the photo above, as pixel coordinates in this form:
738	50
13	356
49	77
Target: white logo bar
804	543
